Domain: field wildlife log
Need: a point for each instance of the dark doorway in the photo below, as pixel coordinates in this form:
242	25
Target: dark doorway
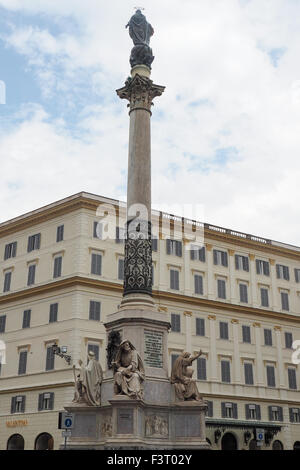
296	445
44	442
15	442
277	445
229	442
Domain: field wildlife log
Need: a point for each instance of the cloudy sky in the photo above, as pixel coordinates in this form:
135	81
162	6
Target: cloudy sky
225	134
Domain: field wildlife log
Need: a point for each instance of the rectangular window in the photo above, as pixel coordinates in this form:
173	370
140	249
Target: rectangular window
225	371
210	409
262	267
26	319
275	413
174	247
264	295
246	332
95	310
10	250
95	349
243	293
200	327
270	376
224	330
175	322
292	379
34	242
46	401
96	267
154	243
7	282
50	359
60	233
120	235
174	279
268	337
22	362
220	258
198	284
31	275
294	415
121	269
18	404
248	369
201	368
97	230
229	410
284	301
241	263
57	266
53	313
2	323
288	340
198	253
297	275
221	289
282	272
253	412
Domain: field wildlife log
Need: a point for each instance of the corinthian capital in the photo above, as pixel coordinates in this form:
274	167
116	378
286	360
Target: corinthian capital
140	92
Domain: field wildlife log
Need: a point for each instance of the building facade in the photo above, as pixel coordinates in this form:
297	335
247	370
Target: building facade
234	296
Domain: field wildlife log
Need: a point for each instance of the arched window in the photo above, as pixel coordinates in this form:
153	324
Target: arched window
15	442
44	441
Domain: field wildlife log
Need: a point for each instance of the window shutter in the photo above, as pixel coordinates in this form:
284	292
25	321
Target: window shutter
193	253
23	404
210	410
168	246
176	280
223	410
284	301
224	259
95	309
14	249
178	248
270	413
41	402
26	318
246	334
7	282
257	267
267	268
198	284
22	362
215	257
288	340
13	405
246	263
96	264
270	376
49	359
243	293
38	241
291	415
57	266
248	374
225	369
223	330
53	313
6	252
201	368
202	254
200	326
286	273
154	244
31	275
292	379
268	337
258	413
247	412
2	323
297	274
280	413
235	410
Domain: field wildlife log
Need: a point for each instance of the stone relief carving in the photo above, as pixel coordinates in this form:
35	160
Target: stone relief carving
88	382
156	426
185	387
106	427
129	372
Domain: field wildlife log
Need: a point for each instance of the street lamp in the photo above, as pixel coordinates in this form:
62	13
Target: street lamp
61	352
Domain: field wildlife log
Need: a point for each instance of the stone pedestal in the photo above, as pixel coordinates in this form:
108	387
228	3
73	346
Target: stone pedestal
127	424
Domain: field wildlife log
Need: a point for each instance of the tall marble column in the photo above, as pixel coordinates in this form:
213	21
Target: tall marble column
140	91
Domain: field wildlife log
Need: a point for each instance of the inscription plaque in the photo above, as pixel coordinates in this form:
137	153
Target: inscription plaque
153	351
187	425
125	421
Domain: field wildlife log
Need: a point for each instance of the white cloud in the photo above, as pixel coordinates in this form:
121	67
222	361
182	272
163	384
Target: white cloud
213	52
